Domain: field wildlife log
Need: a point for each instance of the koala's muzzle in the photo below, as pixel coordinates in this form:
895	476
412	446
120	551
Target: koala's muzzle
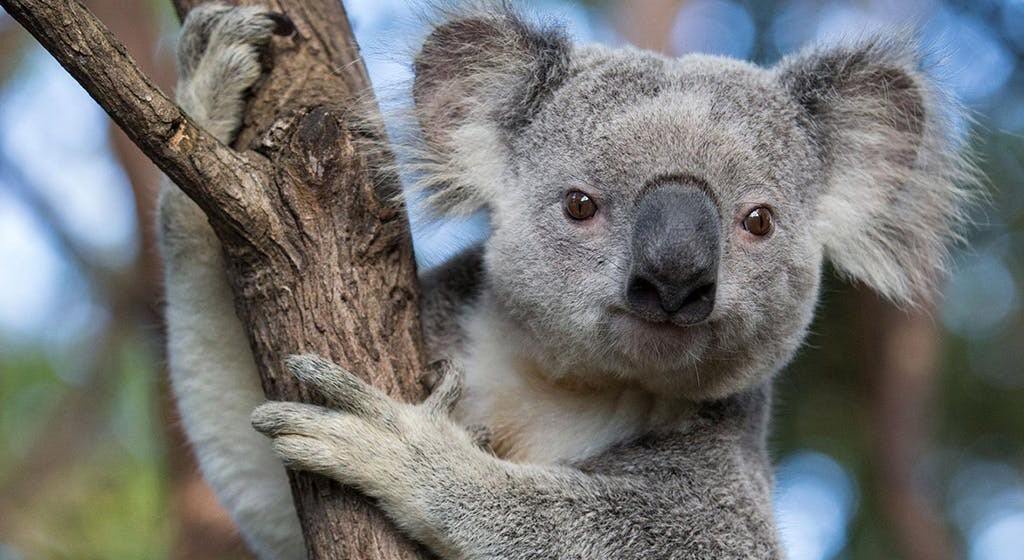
676	240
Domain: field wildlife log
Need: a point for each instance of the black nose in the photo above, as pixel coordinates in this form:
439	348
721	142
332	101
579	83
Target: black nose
676	239
692	301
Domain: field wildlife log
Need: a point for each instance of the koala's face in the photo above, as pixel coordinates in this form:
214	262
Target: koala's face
653	222
664	221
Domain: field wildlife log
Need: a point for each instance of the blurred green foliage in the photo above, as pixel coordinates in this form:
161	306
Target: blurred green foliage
98	492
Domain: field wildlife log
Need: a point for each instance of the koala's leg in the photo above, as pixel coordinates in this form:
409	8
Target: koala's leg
702	493
212	369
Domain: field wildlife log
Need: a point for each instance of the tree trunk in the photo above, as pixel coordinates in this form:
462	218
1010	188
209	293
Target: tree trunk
901	349
318	254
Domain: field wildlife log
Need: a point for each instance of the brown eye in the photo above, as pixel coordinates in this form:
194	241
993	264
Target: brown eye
579	205
759	221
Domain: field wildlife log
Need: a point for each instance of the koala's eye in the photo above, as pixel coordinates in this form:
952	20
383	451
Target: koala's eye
759	221
579	205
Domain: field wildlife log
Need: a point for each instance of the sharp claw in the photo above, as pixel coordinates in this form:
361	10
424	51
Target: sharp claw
482	436
340	387
448	391
283	25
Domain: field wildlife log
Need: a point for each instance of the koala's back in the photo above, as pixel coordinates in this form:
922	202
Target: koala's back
449	293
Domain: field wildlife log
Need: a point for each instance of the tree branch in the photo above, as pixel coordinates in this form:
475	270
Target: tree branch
319	257
218	179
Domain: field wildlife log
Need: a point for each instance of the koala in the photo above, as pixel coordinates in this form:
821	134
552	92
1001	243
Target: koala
658	231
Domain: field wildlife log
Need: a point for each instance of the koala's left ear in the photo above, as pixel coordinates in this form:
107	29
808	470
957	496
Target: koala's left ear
896	182
480	77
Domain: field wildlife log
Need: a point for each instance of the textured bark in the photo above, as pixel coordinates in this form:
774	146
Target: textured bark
319	259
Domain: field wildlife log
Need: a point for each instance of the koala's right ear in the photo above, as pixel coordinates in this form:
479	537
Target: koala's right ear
479	79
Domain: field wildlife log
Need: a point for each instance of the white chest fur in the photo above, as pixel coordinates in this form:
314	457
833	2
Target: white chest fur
536	420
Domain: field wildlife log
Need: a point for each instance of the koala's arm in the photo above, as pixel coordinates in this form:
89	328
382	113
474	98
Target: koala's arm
701	493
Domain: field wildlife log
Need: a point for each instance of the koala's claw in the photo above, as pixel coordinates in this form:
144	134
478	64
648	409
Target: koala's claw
283	25
341	388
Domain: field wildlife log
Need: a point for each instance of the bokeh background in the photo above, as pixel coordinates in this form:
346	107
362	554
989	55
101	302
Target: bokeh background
896	434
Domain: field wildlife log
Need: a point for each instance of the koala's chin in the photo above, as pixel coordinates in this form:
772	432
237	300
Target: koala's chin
660	347
619	349
674	361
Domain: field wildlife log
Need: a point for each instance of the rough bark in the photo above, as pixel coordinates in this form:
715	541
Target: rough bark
319	260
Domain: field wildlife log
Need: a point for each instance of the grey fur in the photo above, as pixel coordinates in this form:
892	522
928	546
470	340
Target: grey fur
449	291
883	127
702	493
847	145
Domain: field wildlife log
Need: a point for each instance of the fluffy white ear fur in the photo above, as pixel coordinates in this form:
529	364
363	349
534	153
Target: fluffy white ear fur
480	75
897	179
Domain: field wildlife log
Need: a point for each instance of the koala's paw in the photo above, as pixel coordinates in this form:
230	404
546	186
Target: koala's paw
212	27
219	59
390	450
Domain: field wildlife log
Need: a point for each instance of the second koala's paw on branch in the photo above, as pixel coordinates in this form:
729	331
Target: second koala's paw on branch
218	33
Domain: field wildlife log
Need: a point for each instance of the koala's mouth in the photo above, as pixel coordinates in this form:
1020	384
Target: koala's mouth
658	344
663	325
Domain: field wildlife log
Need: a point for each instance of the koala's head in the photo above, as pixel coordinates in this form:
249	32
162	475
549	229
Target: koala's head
665	220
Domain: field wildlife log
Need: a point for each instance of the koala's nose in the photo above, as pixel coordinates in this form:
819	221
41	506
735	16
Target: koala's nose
656	300
676	245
